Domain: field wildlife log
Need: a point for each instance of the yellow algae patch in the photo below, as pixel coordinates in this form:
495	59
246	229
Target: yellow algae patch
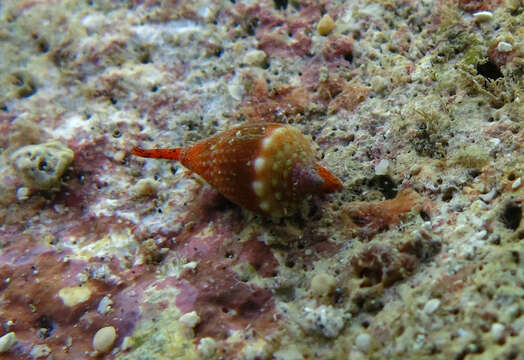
166	338
119	244
74	295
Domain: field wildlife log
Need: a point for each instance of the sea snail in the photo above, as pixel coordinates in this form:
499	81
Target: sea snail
267	168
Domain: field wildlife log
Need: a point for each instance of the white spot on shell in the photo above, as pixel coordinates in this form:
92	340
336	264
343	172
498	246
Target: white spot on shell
279	131
266	143
264	205
260	162
258	188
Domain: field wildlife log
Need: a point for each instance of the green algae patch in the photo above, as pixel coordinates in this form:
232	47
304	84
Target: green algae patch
165	338
42	166
473	157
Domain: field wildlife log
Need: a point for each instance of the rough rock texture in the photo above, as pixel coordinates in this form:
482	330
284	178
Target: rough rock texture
42	166
417	106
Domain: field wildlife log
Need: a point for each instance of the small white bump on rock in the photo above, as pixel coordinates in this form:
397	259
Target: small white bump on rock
382	167
516	184
431	306
503	46
489	196
7	342
104	305
207	347
22	193
324	319
497	332
190	319
483	16
104	339
363	342
39	351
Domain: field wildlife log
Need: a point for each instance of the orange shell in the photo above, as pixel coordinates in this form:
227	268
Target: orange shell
267	168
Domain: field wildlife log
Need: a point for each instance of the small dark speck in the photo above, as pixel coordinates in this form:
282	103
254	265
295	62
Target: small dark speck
511	215
348	57
489	70
425	216
280	4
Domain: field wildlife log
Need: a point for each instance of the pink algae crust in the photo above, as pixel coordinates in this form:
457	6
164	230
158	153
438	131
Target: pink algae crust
215	291
38	315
